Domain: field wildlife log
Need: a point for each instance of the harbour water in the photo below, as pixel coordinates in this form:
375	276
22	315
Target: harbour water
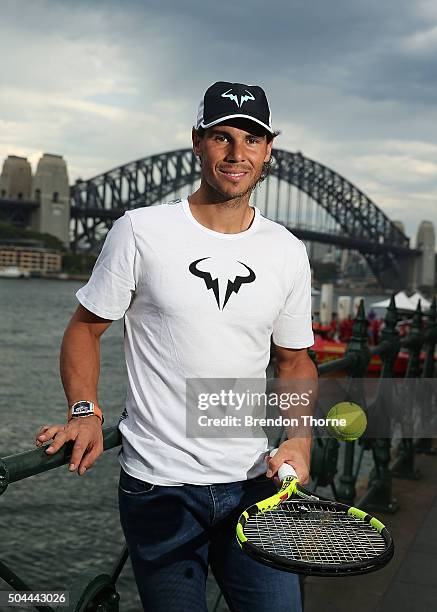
56	526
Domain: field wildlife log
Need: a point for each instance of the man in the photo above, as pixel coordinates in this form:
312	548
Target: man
202	284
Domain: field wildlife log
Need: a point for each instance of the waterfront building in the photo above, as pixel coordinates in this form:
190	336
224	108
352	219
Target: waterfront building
29	256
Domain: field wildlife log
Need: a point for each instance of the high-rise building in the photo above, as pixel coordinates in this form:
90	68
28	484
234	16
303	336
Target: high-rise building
425	241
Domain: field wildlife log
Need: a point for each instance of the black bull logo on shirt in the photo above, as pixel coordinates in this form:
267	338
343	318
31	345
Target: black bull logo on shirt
213	283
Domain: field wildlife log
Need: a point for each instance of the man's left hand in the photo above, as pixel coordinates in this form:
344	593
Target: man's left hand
296	452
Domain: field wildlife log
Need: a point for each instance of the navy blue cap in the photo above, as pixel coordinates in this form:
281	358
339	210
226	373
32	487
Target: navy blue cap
231	100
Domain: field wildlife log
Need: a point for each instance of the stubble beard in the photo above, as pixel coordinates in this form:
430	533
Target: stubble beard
231	201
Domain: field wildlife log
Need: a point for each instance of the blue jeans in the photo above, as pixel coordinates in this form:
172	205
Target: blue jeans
174	533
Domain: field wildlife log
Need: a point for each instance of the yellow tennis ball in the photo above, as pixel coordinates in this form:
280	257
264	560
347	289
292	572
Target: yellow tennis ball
346	421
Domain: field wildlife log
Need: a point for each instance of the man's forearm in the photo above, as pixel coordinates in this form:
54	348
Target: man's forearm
80	363
300	378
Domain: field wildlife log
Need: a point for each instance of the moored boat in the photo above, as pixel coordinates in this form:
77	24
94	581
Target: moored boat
13	272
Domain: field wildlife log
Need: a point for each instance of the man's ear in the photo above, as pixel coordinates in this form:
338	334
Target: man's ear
196	141
269	150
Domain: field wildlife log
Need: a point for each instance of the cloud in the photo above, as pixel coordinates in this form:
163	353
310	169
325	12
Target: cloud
396	169
351	84
425	40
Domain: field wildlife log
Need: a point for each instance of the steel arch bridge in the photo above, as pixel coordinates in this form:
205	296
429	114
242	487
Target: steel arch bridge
317	204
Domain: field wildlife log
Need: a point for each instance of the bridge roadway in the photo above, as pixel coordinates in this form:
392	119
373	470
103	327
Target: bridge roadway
339	239
297	189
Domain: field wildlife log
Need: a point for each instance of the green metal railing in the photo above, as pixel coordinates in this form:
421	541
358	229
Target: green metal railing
98	593
89	592
378	495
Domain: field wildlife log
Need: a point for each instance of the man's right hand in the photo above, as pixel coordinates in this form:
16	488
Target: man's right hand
88	440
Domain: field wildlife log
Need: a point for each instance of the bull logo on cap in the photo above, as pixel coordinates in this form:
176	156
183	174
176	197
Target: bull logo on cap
234	97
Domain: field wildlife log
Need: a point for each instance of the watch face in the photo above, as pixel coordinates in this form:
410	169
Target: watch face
81	408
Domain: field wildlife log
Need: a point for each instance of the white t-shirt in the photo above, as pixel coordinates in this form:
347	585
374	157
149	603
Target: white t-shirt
196	304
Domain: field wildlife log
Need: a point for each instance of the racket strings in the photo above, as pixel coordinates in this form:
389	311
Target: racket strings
303	532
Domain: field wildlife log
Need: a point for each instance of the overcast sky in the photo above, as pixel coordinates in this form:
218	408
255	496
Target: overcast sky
351	83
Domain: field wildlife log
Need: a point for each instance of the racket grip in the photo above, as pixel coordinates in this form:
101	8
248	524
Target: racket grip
285	469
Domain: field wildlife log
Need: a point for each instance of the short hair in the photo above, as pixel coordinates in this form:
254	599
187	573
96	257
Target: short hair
200	131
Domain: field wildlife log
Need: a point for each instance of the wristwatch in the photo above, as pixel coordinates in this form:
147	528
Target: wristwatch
84	408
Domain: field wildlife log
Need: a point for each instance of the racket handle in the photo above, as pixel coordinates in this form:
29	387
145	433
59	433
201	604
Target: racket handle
285	470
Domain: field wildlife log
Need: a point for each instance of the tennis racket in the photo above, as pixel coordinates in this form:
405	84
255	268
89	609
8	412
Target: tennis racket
307	535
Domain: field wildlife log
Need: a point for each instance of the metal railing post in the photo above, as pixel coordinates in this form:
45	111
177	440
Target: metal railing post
379	492
424	445
404	466
90	592
357	348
